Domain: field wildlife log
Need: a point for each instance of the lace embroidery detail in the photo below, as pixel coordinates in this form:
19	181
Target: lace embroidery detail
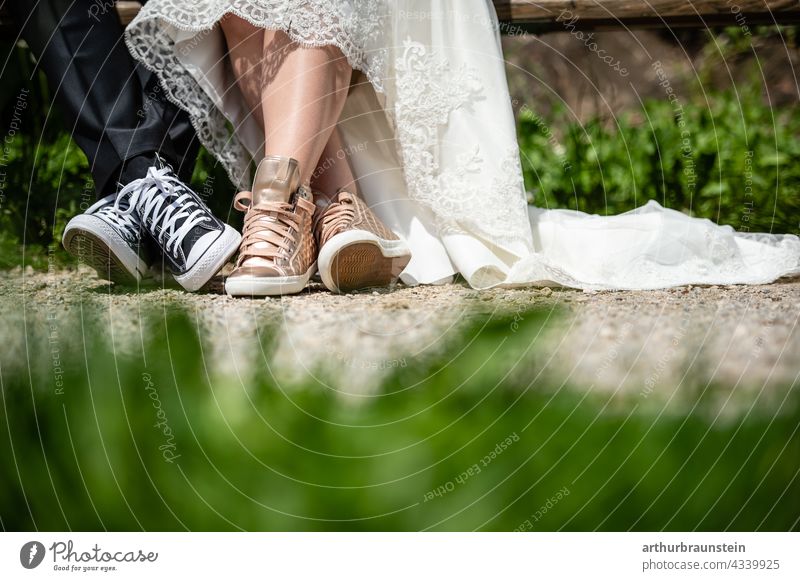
428	92
354	26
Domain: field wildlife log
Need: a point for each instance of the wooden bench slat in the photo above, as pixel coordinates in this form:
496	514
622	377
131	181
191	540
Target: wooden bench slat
549	15
543	15
548	10
608	13
127	11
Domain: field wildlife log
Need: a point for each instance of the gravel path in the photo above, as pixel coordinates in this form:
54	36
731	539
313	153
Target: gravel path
636	344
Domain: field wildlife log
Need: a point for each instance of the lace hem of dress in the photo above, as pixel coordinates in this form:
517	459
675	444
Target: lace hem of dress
150	44
320	24
429	90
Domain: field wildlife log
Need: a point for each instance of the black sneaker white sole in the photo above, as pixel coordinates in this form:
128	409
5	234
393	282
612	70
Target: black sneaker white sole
212	261
93	242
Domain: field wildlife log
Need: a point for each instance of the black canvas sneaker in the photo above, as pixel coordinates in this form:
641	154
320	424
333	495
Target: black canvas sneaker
195	244
110	241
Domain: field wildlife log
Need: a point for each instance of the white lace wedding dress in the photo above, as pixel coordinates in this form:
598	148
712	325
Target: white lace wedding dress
432	141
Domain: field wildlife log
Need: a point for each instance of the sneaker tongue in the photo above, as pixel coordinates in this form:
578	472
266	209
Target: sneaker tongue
198	231
160	163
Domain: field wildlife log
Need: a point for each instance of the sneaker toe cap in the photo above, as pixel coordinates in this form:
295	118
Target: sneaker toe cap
256	272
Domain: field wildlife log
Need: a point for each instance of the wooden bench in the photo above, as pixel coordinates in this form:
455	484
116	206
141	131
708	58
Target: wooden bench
553	15
519	16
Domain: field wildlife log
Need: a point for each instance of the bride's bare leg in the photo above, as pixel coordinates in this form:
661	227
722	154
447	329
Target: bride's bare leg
246	53
333	172
246	45
303	93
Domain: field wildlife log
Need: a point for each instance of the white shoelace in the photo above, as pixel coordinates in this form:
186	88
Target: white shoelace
127	223
158	196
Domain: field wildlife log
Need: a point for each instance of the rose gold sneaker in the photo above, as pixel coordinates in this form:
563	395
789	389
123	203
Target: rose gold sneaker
356	249
277	254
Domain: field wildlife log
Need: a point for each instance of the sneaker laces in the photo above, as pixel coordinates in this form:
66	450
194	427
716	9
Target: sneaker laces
268	225
337	216
162	198
127	223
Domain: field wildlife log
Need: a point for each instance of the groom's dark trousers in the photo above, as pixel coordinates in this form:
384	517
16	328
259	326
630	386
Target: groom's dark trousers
115	110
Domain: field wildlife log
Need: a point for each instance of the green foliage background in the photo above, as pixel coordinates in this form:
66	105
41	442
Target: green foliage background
738	165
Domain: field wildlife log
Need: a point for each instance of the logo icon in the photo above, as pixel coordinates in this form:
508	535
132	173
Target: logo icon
31	554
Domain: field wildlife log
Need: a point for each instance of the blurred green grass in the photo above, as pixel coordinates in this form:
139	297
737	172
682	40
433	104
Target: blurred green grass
273	457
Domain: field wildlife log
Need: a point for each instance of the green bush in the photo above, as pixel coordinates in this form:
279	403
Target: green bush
739	163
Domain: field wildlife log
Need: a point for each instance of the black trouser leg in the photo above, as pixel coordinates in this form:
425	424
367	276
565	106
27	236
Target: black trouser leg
113	109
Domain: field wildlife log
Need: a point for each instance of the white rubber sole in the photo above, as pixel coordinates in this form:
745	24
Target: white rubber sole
92	241
217	255
358	259
262	286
